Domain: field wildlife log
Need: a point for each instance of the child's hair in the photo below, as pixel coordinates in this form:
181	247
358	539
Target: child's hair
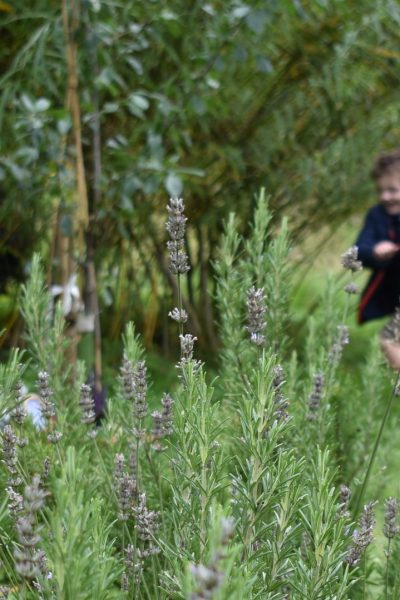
387	161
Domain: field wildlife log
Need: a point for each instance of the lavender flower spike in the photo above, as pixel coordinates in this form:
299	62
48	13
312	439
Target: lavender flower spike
167	416
46	394
349	260
86	402
140	406
175	226
178	315
28	558
187	343
314	399
344	499
363	536
390	528
256	315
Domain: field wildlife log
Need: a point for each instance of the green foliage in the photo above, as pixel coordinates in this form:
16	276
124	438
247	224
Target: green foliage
294	96
324	540
83	558
232	494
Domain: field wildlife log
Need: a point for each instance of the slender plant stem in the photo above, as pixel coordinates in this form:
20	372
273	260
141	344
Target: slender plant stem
376	445
365	574
178	279
155	582
387	570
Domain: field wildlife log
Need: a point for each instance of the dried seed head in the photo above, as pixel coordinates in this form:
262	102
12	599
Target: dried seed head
86	403
256	315
178	315
175	226
390	528
349	260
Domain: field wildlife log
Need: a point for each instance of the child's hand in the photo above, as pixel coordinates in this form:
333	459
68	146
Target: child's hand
385	250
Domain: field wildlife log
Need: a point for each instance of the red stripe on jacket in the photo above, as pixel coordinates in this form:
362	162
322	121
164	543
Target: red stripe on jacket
369	292
374	285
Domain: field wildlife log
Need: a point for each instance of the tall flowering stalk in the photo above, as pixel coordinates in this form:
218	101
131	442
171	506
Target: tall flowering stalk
197	477
140	407
179	261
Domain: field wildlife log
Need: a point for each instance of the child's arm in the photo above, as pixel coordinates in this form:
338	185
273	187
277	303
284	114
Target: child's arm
367	240
373	251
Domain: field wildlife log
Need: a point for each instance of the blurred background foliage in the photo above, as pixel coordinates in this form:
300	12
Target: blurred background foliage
208	100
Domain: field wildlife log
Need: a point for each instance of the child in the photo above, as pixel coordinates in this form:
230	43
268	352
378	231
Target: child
378	248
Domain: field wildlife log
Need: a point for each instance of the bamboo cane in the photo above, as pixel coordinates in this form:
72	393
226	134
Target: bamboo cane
71	22
84	236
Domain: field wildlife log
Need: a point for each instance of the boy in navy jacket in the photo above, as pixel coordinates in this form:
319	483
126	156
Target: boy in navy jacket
379	249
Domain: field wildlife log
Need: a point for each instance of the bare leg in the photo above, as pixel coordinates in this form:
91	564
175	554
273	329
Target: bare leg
391	350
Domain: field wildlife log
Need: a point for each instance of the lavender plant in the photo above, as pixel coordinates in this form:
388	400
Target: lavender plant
222	487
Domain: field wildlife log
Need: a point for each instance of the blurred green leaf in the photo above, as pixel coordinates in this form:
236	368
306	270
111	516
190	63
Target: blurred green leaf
173	185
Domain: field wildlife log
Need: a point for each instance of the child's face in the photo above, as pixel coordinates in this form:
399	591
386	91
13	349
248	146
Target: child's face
388	186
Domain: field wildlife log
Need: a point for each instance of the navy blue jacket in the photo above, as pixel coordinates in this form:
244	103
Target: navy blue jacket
381	294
